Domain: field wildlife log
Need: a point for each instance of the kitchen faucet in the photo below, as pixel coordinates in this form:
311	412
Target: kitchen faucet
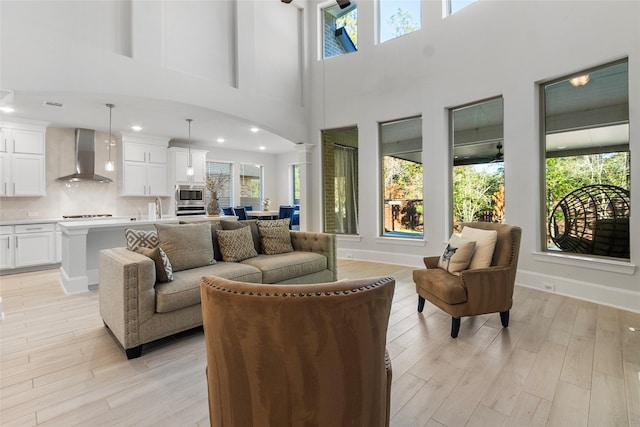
158	207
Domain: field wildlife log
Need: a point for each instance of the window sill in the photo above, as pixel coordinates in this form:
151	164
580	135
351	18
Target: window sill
401	241
593	263
348	237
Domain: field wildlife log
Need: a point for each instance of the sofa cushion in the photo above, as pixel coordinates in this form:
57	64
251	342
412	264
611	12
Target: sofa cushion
485	244
236	245
253	226
187	246
140	238
275	237
164	270
457	254
215	226
280	267
184	290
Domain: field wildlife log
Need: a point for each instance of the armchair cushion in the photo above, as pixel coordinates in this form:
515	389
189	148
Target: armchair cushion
457	254
485	244
439	283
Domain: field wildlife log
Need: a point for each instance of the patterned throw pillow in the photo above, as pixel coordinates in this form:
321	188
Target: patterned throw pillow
457	255
236	245
275	237
251	223
164	272
141	238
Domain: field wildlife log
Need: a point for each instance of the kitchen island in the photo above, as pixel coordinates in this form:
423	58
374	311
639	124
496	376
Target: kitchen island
83	240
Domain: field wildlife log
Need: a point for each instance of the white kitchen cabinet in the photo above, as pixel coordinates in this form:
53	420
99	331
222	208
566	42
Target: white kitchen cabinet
144	166
22	160
6	246
27	245
180	162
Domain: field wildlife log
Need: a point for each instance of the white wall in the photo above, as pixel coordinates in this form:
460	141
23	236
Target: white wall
487	49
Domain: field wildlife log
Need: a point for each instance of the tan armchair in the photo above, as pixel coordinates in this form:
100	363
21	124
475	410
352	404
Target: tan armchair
293	355
478	291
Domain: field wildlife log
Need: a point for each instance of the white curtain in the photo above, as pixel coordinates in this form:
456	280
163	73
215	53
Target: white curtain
346	190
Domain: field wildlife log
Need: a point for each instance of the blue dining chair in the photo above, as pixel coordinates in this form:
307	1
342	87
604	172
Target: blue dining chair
286	212
240	212
248	208
295	220
228	211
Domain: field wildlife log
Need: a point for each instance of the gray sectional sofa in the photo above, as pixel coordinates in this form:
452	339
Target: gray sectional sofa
138	309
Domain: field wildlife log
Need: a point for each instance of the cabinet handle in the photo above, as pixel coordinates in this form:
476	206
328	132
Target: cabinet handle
16	242
14	145
33	228
149	157
8	243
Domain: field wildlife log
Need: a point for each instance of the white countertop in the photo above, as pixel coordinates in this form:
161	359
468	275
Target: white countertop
130	222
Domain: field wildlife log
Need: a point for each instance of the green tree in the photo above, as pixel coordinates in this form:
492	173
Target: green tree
473	188
350	23
402	22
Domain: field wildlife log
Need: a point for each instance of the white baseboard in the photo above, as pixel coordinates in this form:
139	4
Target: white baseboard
606	295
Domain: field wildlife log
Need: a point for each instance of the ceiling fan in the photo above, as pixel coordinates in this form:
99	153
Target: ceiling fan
499	155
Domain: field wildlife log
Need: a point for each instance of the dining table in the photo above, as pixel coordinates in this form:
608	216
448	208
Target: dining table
262	214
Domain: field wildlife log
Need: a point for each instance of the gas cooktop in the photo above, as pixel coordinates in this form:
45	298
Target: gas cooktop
87	216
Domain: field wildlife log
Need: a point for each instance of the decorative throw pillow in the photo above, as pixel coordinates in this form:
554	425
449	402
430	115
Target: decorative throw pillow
215	226
485	245
275	238
236	245
457	255
164	272
140	238
251	223
187	246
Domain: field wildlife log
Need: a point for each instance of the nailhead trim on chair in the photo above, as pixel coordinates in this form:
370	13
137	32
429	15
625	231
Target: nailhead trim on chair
302	294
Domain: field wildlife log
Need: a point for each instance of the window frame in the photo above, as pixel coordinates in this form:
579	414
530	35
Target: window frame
231	166
261	186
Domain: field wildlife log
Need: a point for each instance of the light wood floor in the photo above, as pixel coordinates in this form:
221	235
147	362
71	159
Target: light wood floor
561	362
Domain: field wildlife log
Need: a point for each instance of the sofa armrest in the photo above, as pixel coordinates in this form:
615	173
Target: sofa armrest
321	243
488	289
126	282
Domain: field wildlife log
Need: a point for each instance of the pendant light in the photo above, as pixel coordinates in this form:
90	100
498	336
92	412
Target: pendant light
110	165
190	165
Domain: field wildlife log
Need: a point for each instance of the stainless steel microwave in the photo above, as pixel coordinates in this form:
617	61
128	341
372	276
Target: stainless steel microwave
187	195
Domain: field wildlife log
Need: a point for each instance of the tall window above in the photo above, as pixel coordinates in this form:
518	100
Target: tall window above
340	180
401	166
295	181
398	17
340	30
251	185
219	179
453	6
478	165
587	176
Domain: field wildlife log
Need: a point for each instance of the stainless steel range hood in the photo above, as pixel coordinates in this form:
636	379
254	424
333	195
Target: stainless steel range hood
85	159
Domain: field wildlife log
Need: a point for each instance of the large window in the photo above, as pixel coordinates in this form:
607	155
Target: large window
219	177
340	29
587	164
401	167
453	6
340	180
398	17
478	164
251	185
295	184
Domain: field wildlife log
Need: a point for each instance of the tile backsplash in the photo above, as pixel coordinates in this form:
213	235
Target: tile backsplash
74	198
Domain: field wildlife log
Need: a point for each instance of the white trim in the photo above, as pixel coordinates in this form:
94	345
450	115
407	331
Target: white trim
348	238
401	241
400	258
606	295
580	261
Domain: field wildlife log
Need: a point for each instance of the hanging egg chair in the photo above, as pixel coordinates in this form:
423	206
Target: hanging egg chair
593	219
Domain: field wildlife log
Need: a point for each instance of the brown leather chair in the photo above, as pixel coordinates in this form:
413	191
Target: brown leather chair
478	291
293	355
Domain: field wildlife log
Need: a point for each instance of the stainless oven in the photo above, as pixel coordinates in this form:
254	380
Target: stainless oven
190	200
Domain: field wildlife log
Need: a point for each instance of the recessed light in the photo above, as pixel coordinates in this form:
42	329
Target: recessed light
136	128
262	147
254	129
220	140
7	109
562	147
